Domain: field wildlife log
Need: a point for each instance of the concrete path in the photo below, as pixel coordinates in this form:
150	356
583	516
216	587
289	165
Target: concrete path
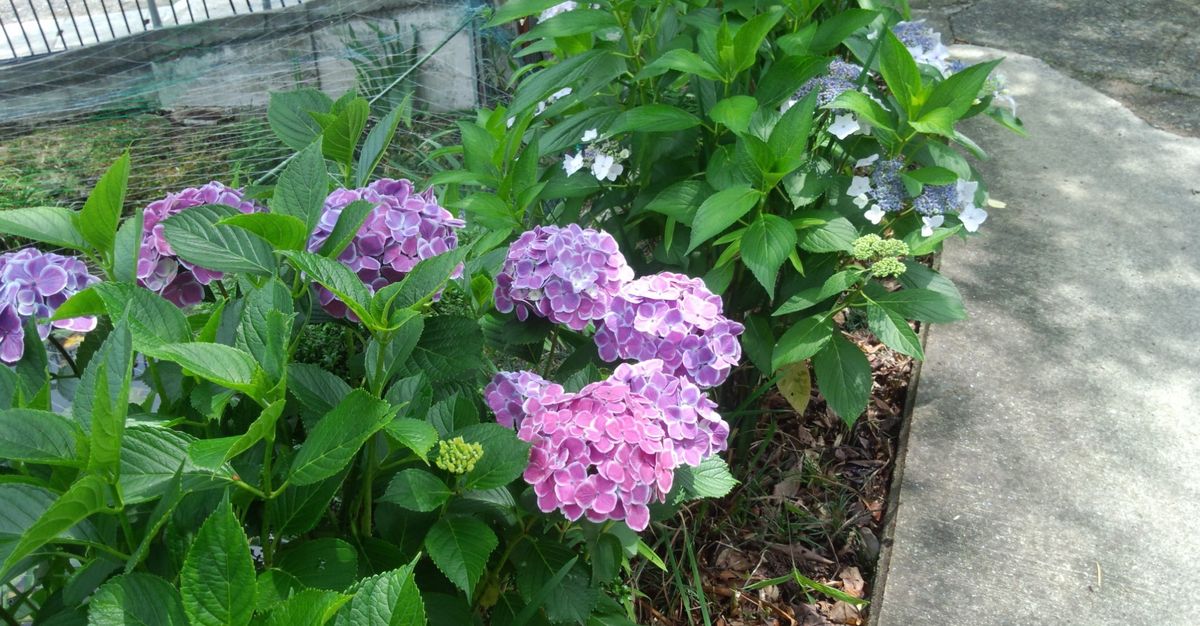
1053	465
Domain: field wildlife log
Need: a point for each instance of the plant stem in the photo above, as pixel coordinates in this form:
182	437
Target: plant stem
550	353
67	357
368	485
265	537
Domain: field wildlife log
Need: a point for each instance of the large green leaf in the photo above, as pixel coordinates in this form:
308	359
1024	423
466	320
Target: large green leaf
288	114
341	136
536	563
32	436
720	211
416	435
925	305
338	279
653	118
900	72
681	200
375	145
450	348
459	547
417	490
836	234
302	187
577	22
349	221
224	365
310	607
710	479
326	563
959	90
804	339
299	508
24	505
265	327
680	60
83	499
151	456
517	9
47	224
422	283
136	600
812	296
389	599
97	222
893	330
318	390
196	237
284	232
127	247
917	276
750	35
844	377
789	138
833	31
152	320
504	455
103	392
766	244
338	436
217	581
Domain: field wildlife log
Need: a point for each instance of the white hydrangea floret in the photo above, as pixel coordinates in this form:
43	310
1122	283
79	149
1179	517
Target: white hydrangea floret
844	125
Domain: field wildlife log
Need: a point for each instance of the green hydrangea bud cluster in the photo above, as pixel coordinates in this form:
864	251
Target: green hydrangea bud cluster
883	253
457	456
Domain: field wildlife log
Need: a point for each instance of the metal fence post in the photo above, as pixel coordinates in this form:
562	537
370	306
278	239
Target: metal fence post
155	20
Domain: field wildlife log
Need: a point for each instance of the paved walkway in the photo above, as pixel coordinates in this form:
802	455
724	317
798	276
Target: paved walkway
1053	466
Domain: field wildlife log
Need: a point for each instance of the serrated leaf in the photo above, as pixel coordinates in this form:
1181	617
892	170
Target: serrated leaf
338	436
83	499
217	580
284	232
804	339
318	390
104	393
426	279
310	607
303	186
536	563
925	305
681	200
339	138
450	348
734	112
795	384
710	479
504	456
416	490
31	436
349	221
375	145
653	118
97	222
326	563
151	456
413	434
136	600
759	342
389	599
288	114
812	296
893	330
460	547
835	235
298	509
47	224
766	244
844	377
196	237
152	319
338	279
720	211
224	365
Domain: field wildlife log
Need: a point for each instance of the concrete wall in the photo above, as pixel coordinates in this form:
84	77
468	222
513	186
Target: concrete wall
237	61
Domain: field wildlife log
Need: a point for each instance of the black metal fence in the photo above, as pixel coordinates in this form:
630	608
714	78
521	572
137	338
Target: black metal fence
36	28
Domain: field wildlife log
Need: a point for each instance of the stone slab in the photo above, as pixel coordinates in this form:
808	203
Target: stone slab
1053	466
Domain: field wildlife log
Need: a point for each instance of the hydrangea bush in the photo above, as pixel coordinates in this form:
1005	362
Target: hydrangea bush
202	472
748	146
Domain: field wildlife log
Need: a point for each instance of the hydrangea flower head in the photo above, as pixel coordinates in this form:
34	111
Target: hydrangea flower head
888	267
887	189
33	284
924	44
507	392
840	77
674	318
937	200
457	456
403	229
158	268
567	275
689	416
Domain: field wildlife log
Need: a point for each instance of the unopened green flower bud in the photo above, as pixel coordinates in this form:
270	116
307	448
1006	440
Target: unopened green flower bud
888	267
891	247
457	456
864	247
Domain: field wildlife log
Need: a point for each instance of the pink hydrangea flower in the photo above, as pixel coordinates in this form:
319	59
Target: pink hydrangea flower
158	268
403	229
33	284
674	318
567	275
610	450
507	393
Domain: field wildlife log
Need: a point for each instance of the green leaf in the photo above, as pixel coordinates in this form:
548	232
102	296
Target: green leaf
925	305
315	388
812	296
844	377
151	457
680	200
302	187
710	479
338	436
389	599
221	364
835	235
338	279
32	370
426	279
376	144
504	456
833	31
84	498
152	320
459	547
197	238
517	9
288	114
265	327
804	339
382	362
959	90
263	427
284	232
31	436
937	121
104	391
653	118
450	348
679	60
349	221
785	77
47	224
789	138
339	139
795	385
325	563
865	107
765	246
136	600
417	490
917	276
536	563
127	248
759	342
310	607
217	580
749	37
900	73
416	435
720	211
893	330
97	222
734	112
298	509
579	21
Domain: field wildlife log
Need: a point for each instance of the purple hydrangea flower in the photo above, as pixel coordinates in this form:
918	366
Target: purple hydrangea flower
842	76
674	318
507	393
403	229
158	269
937	200
567	275
887	189
33	284
924	44
690	417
